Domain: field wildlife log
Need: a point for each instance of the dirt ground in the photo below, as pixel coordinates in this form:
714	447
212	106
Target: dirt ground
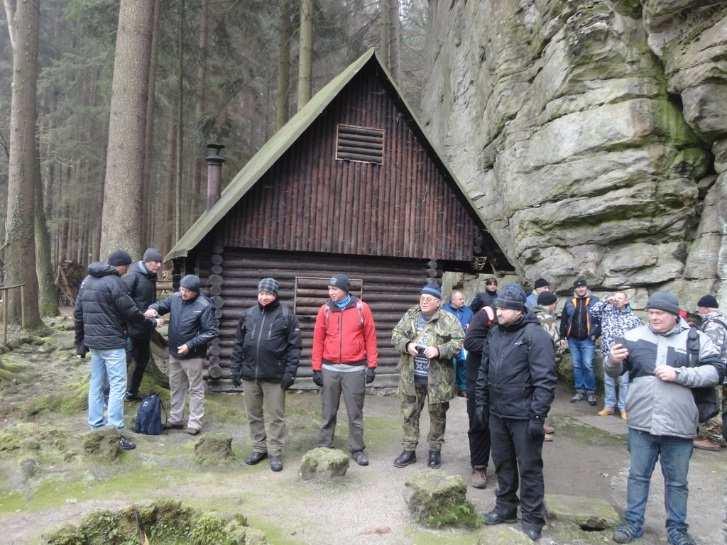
588	458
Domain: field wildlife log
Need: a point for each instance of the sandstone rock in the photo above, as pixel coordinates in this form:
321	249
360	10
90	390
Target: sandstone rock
323	463
213	449
438	500
102	445
587	512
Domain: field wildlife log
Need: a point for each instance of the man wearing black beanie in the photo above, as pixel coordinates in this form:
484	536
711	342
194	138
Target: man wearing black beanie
714	324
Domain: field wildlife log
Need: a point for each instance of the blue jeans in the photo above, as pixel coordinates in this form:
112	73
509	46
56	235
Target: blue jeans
611	399
675	454
460	371
107	365
581	352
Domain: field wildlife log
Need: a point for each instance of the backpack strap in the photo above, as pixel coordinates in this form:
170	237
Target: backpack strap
693	347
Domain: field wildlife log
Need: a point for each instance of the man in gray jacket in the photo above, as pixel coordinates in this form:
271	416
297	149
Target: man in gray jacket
663	415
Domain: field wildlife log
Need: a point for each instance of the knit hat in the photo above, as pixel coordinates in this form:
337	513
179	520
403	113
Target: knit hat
119	258
546	298
663	300
580	283
191	282
268	284
433	289
708	301
340	281
541	283
152	254
511	297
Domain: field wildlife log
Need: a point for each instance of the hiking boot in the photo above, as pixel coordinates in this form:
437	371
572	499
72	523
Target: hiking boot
681	538
407	457
578	396
173	426
533	531
126	444
276	463
192	431
255	457
606	411
704	443
626	534
360	458
591	398
435	459
130	396
479	477
493	517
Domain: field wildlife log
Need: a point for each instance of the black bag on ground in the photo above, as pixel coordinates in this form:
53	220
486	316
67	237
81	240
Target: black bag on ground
149	416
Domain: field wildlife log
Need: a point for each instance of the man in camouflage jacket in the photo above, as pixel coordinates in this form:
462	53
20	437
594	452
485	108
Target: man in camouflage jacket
427	339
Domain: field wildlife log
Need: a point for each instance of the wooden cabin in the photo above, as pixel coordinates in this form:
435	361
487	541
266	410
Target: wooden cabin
350	184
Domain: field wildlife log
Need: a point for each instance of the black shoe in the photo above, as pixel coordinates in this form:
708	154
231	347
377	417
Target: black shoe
173	426
360	457
132	397
255	457
533	531
625	534
493	517
125	444
406	458
276	463
681	538
435	459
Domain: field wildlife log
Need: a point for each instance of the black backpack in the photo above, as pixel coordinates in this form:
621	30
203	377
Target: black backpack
149	416
705	398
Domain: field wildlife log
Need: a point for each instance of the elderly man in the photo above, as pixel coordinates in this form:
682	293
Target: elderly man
427	339
103	309
515	386
344	359
581	330
664	366
267	364
191	327
141	281
463	313
616	318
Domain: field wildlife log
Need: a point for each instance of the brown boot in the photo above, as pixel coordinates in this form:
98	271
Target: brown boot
606	411
704	443
479	477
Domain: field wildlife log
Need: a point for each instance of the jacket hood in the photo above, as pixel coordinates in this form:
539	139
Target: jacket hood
99	269
139	267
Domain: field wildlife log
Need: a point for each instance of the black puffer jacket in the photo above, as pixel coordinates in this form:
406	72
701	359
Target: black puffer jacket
192	323
103	308
483	299
517	377
142	286
267	345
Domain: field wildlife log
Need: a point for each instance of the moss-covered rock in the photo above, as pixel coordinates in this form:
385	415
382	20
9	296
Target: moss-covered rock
102	445
588	513
438	500
323	463
213	449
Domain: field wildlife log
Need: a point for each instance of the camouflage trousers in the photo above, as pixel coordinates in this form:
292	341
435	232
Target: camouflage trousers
411	410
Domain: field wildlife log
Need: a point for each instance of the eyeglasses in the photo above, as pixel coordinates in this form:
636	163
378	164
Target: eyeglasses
427	299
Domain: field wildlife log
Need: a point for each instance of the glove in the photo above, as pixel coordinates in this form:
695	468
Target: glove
287	381
370	375
535	428
318	379
236	380
81	350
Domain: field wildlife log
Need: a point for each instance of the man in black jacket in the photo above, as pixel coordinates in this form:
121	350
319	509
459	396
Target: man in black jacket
141	281
265	358
191	327
515	385
485	298
103	308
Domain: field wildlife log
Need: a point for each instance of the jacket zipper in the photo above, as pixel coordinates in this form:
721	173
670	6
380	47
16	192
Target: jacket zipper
340	337
257	347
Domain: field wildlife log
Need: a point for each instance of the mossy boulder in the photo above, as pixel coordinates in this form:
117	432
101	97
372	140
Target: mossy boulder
323	463
213	450
102	445
438	500
586	512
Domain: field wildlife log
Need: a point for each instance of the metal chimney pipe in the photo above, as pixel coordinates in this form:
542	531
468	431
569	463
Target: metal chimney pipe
215	158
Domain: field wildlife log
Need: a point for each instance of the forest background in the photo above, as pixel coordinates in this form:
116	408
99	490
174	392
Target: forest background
106	108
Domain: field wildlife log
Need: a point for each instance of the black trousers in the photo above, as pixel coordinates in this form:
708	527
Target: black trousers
518	457
140	352
478	434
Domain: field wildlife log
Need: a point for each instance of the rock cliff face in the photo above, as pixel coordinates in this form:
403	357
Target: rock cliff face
591	134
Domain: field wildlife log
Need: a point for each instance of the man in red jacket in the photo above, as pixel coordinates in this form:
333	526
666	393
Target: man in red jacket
344	361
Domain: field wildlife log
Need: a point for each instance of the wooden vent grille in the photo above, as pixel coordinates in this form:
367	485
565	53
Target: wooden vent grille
363	144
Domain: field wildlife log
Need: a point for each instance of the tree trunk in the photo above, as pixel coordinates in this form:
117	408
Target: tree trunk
121	217
23	163
201	114
305	52
178	195
394	40
47	296
281	100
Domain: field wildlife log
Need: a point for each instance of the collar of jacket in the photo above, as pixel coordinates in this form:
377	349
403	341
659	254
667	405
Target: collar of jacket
270	306
680	326
351	304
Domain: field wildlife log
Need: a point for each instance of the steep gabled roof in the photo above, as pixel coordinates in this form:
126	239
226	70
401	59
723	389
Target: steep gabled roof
280	142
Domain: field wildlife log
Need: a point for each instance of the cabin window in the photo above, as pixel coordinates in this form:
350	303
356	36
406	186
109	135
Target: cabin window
364	144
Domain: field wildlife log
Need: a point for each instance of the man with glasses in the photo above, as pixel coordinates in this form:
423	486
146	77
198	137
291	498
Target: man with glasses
427	339
485	298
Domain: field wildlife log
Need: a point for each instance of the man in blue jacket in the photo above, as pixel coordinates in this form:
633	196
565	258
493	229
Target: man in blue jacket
463	313
191	327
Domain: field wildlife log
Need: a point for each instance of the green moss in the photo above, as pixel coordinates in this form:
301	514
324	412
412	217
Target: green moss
585	434
438	537
670	123
70	400
453	515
